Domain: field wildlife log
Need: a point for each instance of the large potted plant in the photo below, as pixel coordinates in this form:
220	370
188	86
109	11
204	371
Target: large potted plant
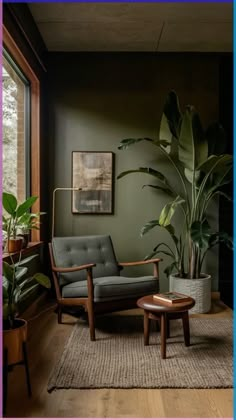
16	287
18	221
198	159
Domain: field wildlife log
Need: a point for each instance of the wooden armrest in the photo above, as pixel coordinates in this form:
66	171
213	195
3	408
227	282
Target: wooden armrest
72	269
130	264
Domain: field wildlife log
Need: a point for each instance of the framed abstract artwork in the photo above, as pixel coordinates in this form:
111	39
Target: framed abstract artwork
92	174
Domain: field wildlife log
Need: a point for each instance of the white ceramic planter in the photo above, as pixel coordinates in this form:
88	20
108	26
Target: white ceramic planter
198	289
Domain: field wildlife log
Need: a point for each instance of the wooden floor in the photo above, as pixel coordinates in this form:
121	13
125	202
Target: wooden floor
46	343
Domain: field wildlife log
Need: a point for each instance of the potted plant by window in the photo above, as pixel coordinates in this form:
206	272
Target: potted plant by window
16	287
198	159
19	221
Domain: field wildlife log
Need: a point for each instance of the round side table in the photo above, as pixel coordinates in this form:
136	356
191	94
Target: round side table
163	312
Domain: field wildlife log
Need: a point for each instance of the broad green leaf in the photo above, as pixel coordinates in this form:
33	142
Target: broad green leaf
148	171
192	143
173	115
148	226
200	233
22	208
22	295
124	144
223	237
169	210
216	137
157	187
42	279
5	293
216	164
20	272
170	268
9	203
8	271
26	260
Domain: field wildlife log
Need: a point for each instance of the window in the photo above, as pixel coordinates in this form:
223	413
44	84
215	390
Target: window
17	67
16	129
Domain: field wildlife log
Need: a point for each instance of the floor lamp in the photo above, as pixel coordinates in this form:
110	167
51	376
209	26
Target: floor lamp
54	201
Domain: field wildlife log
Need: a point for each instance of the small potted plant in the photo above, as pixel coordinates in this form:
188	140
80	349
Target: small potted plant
26	223
16	287
198	159
18	221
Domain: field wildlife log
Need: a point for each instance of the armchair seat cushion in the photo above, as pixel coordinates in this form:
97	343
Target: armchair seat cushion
113	288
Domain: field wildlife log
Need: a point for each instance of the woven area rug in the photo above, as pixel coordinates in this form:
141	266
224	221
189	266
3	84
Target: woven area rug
119	359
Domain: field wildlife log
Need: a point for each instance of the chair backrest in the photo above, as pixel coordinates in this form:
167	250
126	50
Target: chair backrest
79	250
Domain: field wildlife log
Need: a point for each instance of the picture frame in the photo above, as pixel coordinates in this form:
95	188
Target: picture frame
93	175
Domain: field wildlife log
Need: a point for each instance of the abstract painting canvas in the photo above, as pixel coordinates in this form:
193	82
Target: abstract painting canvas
92	174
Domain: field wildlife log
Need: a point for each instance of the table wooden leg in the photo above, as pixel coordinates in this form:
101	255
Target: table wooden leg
185	320
163	336
146	325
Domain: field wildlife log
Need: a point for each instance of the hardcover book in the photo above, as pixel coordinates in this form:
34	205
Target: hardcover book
171	297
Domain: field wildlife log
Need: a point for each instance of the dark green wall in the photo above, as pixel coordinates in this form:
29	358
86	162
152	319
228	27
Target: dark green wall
95	100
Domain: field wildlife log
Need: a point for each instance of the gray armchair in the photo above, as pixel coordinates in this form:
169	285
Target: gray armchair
86	272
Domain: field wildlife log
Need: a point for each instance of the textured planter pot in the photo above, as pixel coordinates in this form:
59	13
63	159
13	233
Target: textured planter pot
13	339
14	245
198	289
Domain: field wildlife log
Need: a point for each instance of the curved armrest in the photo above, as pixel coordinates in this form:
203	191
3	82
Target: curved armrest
72	269
130	264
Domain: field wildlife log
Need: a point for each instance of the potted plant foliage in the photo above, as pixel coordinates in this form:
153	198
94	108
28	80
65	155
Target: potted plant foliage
16	287
19	221
198	159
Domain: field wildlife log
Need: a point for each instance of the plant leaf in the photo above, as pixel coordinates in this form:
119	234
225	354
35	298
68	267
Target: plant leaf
173	116
22	208
23	294
42	279
9	203
200	233
218	237
216	137
193	149
26	260
8	271
124	144
157	187
148	226
169	269
148	171
169	210
20	272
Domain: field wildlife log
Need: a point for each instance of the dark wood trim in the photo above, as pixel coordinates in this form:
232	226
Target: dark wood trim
17	55
19	16
32	246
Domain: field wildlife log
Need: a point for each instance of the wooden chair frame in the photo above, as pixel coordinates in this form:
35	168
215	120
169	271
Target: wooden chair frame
90	306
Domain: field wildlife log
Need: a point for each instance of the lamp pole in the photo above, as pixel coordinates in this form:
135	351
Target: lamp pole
54	201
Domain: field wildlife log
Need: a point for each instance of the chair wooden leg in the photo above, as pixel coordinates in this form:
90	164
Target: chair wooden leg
146	326
185	320
91	320
59	314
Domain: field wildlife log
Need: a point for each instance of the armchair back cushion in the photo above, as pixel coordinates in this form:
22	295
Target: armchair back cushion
79	250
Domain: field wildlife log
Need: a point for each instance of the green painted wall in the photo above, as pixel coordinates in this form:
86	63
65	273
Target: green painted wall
95	100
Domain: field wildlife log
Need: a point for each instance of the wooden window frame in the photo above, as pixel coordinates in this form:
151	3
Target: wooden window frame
21	61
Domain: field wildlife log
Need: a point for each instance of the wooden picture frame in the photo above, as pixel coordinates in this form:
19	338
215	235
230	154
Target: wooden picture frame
93	175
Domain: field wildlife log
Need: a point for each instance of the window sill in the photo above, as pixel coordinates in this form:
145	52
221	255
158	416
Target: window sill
25	252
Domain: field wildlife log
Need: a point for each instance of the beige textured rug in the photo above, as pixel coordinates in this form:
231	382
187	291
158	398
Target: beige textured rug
118	359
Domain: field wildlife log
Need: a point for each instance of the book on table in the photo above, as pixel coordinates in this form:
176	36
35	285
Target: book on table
171	297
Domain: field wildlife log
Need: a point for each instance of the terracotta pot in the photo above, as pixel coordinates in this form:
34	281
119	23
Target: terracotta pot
13	339
14	245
